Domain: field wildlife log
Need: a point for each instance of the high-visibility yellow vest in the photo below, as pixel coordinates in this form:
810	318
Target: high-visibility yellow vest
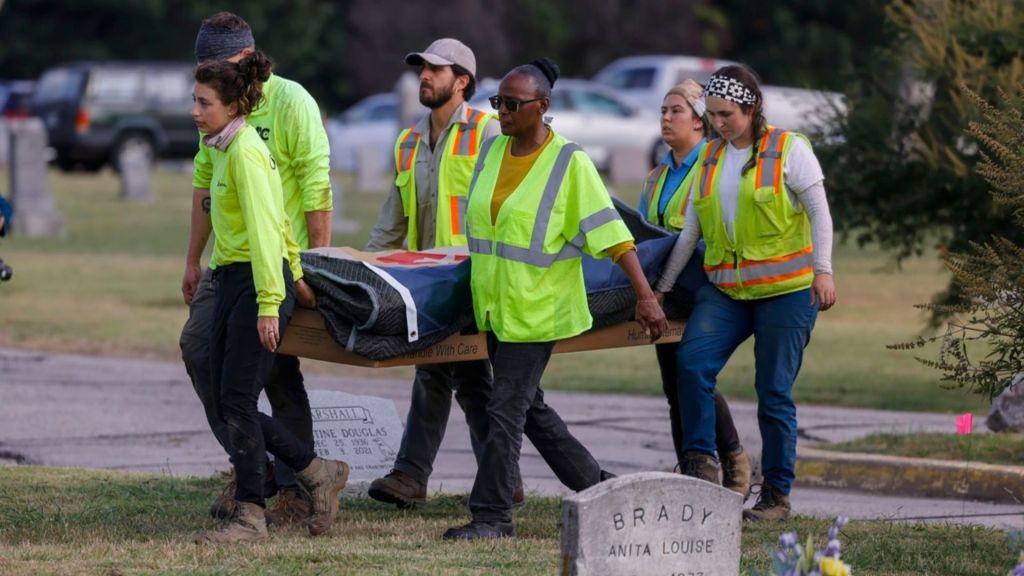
675	210
772	252
527	275
458	158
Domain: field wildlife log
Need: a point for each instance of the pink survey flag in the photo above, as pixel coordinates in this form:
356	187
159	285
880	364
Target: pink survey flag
964	423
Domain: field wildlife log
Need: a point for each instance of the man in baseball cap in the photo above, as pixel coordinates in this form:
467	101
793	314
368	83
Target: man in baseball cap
434	163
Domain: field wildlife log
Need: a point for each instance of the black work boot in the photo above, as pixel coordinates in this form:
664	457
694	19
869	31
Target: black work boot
481	531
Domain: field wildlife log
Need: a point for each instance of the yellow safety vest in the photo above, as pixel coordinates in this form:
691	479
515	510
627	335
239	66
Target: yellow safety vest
457	161
772	252
527	275
675	210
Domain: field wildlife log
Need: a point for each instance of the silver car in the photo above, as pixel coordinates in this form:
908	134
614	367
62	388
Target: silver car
585	112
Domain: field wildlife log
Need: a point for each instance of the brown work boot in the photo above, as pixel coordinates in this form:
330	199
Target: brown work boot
324	479
293	506
398	488
224	506
771	504
248	525
700	465
736	470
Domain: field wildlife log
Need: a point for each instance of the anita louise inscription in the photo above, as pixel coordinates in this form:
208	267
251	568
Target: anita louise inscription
640	516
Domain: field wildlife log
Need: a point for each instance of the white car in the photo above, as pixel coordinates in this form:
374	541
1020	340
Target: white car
644	81
595	117
585	112
371	122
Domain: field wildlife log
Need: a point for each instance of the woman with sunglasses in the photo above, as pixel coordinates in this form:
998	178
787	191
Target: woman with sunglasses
663	203
759	203
536	205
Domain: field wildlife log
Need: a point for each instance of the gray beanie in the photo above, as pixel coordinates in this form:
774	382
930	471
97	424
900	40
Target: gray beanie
213	43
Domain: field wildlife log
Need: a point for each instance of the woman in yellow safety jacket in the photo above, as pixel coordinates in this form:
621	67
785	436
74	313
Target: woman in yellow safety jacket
536	205
254	262
663	202
759	204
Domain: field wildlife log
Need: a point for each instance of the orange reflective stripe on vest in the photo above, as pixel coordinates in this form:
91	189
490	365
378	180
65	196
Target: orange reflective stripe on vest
407	150
754	272
707	175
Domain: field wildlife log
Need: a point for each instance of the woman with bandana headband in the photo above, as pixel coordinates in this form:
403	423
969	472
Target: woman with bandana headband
758	201
663	203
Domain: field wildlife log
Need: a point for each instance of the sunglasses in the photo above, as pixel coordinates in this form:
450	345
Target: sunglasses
512	104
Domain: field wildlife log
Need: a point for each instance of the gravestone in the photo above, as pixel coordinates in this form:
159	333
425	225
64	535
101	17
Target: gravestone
652	524
136	166
35	213
1007	411
369	169
364	431
339	223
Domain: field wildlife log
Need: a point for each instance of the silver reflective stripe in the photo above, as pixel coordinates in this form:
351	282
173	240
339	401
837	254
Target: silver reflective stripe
462	202
777	269
705	173
722	276
769	159
592	222
480	164
539	259
464	139
547	201
479	246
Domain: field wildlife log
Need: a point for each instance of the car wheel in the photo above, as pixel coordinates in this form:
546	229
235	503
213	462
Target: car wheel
134	147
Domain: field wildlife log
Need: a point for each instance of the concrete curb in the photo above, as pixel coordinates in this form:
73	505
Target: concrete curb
919	477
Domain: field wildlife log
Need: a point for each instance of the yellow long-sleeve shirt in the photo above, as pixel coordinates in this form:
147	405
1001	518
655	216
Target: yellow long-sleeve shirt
247	212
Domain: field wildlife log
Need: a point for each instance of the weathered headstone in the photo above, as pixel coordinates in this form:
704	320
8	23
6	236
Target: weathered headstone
407	88
652	524
364	431
1007	411
136	166
369	170
35	213
339	223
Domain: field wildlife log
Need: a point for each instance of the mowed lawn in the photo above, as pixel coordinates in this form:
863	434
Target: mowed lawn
112	286
69	522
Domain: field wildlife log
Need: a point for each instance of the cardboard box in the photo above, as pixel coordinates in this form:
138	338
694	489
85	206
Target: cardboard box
308	337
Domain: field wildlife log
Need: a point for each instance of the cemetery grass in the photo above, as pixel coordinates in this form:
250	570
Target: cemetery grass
112	286
70	521
1007	449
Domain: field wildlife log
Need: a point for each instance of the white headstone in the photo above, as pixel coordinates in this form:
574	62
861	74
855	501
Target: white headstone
364	431
35	213
339	223
652	524
136	166
370	169
628	165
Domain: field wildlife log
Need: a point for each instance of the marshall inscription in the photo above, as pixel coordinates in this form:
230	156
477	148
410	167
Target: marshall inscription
652	523
364	431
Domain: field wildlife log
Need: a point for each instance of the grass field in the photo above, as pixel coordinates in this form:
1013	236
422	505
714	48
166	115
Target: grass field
112	287
989	448
69	522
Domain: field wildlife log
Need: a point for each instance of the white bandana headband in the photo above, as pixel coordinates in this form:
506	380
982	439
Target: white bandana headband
730	89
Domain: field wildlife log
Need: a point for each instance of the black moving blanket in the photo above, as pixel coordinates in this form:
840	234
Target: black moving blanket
380	311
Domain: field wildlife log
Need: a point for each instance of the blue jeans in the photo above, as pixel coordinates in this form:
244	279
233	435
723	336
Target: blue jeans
781	326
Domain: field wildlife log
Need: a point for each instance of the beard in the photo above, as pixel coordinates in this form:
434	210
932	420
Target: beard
441	95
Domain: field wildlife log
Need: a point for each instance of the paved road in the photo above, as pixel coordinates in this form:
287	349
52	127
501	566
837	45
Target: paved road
138	415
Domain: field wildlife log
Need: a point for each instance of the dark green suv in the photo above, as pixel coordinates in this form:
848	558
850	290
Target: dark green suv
95	112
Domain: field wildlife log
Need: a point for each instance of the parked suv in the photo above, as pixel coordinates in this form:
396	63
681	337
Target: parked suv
96	112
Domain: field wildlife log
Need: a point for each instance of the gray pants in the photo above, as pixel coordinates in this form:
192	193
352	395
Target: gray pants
285	389
429	406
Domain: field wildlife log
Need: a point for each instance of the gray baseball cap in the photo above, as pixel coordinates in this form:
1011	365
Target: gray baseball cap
445	52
